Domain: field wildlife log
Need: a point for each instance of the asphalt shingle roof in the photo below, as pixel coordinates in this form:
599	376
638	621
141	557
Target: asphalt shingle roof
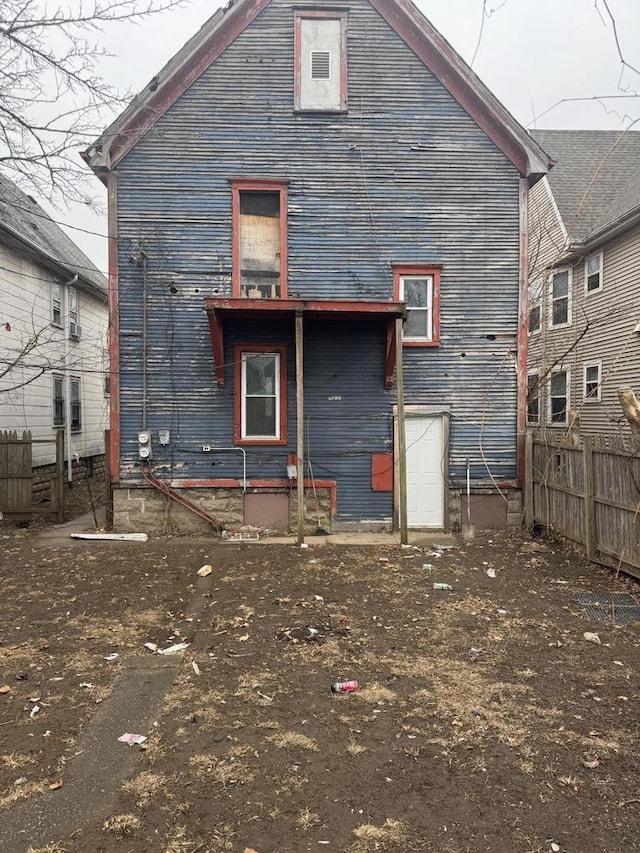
23	217
597	177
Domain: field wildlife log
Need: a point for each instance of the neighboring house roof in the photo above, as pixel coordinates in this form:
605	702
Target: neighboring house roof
402	15
29	229
596	180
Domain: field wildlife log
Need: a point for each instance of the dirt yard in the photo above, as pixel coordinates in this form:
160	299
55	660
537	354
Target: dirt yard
484	720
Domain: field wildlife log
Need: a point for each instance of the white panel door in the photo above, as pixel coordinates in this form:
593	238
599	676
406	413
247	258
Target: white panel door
425	467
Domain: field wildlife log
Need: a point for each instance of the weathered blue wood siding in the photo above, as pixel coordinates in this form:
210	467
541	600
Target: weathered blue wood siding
406	176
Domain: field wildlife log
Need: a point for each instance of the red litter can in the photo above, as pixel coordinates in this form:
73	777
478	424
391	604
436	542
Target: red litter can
344	686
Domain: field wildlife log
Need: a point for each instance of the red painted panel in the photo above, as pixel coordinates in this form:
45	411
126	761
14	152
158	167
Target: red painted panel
382	472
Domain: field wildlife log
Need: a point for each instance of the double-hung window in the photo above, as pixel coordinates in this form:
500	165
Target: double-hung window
259	212
592	382
260	394
533	399
560	298
535	312
419	289
58	401
76	405
559	398
593	273
56	303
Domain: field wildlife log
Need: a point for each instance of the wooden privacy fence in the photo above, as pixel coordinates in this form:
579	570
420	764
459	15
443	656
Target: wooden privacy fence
587	488
16	475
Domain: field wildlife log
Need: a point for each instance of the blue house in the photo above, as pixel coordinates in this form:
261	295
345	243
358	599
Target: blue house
318	278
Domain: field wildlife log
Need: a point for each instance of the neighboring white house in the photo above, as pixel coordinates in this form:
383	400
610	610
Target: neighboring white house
53	332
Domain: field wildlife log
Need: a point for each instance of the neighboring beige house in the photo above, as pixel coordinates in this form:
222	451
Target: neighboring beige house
584	280
53	333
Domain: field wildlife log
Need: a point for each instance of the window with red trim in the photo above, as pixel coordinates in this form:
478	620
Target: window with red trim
320	60
419	288
259	212
260	394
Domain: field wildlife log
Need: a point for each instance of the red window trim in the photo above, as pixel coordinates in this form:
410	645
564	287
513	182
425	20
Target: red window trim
400	270
265	185
238	349
327	14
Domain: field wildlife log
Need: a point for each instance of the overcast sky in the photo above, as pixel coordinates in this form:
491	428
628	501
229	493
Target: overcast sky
531	53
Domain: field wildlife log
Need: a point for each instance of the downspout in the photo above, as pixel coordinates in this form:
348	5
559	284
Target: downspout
67	378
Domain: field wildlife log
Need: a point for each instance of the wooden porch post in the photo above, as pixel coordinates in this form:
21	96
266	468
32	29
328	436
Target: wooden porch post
300	426
402	451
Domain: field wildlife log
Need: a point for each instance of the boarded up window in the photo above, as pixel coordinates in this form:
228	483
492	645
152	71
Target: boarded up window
260	244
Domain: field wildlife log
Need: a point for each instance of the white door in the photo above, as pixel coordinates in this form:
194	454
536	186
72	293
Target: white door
425	471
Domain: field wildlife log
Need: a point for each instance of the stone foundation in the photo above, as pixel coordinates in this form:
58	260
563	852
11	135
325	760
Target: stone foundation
41	489
148	511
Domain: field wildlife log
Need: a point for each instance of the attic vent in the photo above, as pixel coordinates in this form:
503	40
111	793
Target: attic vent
320	65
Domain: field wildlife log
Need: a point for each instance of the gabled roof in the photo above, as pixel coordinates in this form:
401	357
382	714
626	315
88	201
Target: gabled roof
596	180
402	15
30	230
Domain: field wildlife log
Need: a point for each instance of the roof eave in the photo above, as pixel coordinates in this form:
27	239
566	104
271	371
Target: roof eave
36	253
605	233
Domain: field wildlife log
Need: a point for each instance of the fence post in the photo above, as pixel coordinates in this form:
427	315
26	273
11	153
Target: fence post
59	478
529	515
589	501
108	520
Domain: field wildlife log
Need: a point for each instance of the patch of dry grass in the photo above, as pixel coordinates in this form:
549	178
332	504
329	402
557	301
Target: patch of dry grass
56	847
121	825
370	837
307	819
20	792
254	688
226	770
354	748
146	786
293	740
375	693
14	760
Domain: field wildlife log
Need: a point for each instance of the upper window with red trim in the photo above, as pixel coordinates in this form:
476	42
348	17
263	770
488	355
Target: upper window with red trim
320	60
260	391
259	210
419	288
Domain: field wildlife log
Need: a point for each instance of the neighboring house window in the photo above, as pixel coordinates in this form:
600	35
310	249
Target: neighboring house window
259	211
56	304
76	420
535	310
320	83
260	381
593	273
559	397
561	298
58	401
533	399
106	372
419	288
592	382
74	324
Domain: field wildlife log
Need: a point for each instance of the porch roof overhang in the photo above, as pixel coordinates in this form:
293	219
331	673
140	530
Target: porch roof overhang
219	309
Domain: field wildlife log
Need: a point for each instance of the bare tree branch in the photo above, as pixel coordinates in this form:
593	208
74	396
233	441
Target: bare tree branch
53	99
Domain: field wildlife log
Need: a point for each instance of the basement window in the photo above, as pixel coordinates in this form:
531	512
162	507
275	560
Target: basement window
320	61
260	394
259	210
